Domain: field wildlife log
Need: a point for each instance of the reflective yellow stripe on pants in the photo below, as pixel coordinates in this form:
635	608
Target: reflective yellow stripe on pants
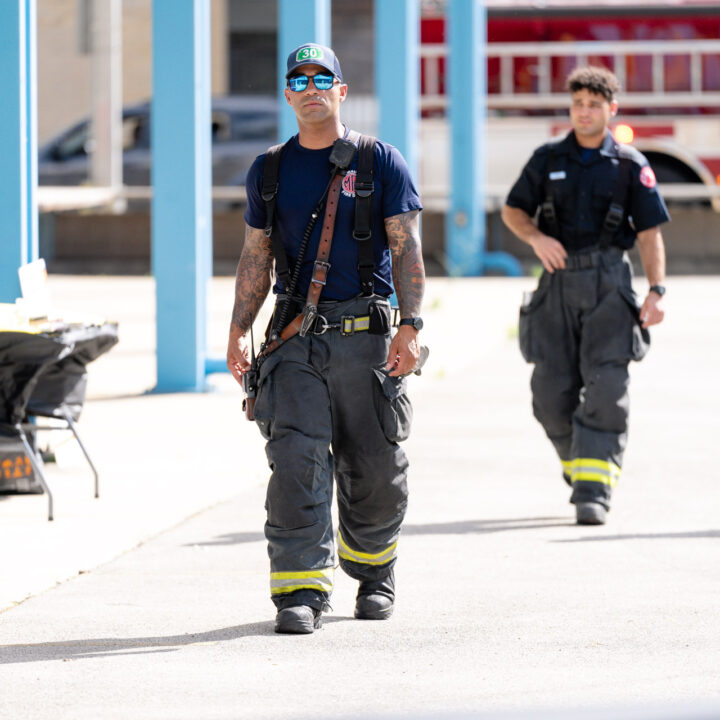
287	582
347	553
592	470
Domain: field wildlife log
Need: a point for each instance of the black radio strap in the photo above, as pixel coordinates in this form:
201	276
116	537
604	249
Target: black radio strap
616	211
269	195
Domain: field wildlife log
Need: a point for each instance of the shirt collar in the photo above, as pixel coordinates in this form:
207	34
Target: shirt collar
570	146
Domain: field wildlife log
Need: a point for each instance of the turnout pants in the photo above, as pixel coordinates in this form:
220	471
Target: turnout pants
581	328
327	410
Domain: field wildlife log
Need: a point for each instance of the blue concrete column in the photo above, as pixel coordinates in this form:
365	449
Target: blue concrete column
397	75
397	43
18	143
182	187
31	147
467	96
299	21
465	221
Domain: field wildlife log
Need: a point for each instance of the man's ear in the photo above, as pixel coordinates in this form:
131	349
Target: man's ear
287	96
343	92
613	108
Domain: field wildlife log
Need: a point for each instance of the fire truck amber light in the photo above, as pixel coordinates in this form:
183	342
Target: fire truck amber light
624	134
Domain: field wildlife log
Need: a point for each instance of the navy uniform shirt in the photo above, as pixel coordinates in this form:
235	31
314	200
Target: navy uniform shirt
583	186
302	178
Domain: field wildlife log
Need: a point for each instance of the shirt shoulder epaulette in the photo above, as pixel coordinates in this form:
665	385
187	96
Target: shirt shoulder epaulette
632	154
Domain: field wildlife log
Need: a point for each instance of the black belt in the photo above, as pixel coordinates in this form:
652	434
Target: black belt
593	257
348	325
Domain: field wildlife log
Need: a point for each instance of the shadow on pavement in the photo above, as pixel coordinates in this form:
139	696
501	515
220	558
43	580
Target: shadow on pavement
647	536
454	528
487	526
231	539
99	647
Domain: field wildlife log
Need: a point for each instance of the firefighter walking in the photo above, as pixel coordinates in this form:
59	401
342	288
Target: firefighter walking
584	324
338	214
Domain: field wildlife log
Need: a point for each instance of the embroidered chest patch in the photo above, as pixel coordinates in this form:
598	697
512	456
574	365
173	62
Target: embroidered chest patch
348	184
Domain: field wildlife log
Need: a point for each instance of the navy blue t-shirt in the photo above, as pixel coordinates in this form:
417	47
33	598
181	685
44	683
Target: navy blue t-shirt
303	176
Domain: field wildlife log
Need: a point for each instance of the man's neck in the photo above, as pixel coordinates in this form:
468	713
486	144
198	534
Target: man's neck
592	142
318	137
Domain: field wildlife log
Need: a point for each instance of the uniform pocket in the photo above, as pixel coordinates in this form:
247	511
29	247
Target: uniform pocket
641	335
612	331
527	322
265	398
393	406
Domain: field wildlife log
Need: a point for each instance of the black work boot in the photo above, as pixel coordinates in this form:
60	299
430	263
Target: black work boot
375	598
298	620
590	513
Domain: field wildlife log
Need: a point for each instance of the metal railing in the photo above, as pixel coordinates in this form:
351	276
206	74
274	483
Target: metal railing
696	93
86	197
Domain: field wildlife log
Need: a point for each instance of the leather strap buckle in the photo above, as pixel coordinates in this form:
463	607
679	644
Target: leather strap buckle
320	272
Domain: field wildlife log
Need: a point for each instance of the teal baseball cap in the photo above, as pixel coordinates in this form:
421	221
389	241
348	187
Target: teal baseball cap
313	54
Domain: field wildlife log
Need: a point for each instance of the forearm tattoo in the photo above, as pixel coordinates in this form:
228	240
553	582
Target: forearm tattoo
407	263
252	280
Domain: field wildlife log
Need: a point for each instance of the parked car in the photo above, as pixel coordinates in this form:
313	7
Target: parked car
242	128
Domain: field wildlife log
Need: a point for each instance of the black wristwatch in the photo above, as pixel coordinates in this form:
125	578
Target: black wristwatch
416	322
657	289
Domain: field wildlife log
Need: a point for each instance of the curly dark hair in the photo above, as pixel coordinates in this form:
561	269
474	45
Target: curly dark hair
596	80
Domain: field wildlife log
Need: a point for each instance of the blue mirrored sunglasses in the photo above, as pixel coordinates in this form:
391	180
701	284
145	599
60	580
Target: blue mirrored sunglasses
322	81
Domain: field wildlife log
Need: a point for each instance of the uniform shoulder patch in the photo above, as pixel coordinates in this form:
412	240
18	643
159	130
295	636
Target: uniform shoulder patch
647	177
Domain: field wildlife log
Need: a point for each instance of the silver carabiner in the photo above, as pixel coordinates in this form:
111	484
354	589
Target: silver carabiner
324	327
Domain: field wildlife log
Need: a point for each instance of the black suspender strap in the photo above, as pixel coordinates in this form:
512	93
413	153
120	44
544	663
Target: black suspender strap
269	195
362	232
616	211
548	206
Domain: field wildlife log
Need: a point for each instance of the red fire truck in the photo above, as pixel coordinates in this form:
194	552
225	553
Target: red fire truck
666	55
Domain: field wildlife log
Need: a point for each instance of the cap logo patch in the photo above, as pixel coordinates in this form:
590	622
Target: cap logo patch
309	53
647	177
348	184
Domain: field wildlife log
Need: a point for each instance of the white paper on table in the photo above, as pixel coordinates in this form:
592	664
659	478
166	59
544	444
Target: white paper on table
35	291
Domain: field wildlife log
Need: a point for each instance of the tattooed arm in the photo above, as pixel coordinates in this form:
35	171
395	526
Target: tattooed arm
252	284
409	279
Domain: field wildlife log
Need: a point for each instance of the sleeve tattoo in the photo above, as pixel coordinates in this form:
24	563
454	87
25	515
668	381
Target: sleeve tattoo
252	280
407	263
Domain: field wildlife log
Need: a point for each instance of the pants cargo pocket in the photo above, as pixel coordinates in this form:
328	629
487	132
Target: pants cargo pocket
393	406
265	398
641	335
526	322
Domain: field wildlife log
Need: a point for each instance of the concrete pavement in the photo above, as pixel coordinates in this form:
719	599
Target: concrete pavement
504	605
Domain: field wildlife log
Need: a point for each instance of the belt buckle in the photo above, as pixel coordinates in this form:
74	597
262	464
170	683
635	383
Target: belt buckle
344	320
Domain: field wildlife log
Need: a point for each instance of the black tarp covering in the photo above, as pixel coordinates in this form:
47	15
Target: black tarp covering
40	372
23	358
64	381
